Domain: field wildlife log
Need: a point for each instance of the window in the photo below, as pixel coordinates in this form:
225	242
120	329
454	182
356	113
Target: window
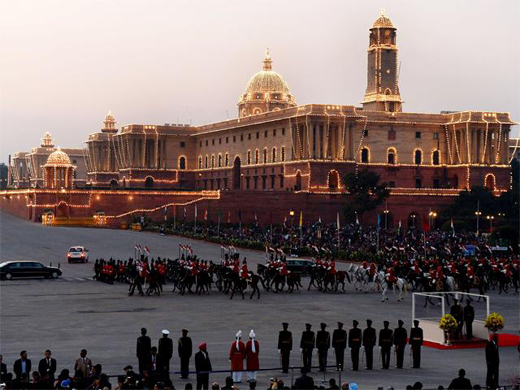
436	135
227	159
391	184
227	140
257	156
234	138
273	178
247	182
418	157
364	155
183	144
265	134
365	133
219	161
206	162
241	137
436	158
391	135
200	144
283	153
281	181
206	142
274	132
74	161
418	183
264	182
182	163
274	154
248	157
436	183
200	162
257	135
220	141
391	156
418	134
283	130
249	136
213	141
212	161
265	156
255	179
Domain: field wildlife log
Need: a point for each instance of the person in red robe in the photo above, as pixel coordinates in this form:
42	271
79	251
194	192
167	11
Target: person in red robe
243	273
252	361
237	355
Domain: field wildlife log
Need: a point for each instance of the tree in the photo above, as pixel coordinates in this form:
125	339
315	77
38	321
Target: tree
366	193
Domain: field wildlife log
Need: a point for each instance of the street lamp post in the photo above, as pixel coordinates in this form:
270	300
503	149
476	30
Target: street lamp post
386	218
413	220
291	213
490	218
478	214
431	216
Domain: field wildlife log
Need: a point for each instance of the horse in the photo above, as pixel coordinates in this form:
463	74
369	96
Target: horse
400	284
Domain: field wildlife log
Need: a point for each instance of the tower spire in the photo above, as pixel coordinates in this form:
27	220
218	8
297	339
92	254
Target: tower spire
267	60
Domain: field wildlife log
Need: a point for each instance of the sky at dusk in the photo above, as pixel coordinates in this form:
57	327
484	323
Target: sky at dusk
64	64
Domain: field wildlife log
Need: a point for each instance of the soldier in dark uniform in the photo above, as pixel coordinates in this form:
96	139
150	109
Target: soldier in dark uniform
185	350
386	337
400	339
323	345
469	317
369	342
492	361
354	343
164	354
285	346
458	313
416	341
143	350
339	343
307	346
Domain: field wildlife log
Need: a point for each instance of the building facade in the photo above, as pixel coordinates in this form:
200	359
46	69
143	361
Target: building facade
26	169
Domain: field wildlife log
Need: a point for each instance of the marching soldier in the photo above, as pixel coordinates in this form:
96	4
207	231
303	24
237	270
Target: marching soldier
307	346
400	338
323	345
339	343
416	341
354	343
385	342
285	346
185	351
369	341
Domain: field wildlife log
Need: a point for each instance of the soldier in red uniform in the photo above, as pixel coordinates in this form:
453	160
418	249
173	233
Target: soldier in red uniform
283	270
244	273
236	357
252	361
236	266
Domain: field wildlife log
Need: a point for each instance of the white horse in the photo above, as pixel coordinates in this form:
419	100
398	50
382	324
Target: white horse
400	284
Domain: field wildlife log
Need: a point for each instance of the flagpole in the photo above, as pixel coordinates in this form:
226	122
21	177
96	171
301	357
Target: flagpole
218	224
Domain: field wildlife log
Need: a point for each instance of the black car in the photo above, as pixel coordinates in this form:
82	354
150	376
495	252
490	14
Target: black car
299	266
31	269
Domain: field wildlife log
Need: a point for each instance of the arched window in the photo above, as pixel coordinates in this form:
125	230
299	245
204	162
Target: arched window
391	156
248	157
257	111
212	161
206	162
283	154
226	158
219	160
333	180
274	154
489	182
182	162
265	156
148	183
436	157
364	155
418	157
257	153
200	162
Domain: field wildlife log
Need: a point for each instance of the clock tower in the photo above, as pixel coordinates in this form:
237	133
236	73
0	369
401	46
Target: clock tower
382	93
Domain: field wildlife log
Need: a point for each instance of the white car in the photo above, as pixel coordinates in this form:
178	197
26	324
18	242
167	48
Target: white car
77	254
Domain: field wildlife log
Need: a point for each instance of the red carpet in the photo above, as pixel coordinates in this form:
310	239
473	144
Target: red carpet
504	340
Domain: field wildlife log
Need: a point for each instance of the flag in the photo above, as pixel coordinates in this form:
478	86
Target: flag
316	248
452	227
136	247
184	213
301	219
195	211
256	219
378	221
205	214
399	224
284	220
147	249
357	220
271	249
337	220
319	219
229	216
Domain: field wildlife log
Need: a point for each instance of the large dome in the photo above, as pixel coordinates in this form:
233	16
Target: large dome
58	158
266	91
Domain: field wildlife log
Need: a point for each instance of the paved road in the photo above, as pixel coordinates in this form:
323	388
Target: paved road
76	312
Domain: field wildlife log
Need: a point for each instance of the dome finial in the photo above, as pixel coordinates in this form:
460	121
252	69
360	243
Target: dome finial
383	12
267	60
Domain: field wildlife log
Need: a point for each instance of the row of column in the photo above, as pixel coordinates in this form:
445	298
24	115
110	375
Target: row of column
478	146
